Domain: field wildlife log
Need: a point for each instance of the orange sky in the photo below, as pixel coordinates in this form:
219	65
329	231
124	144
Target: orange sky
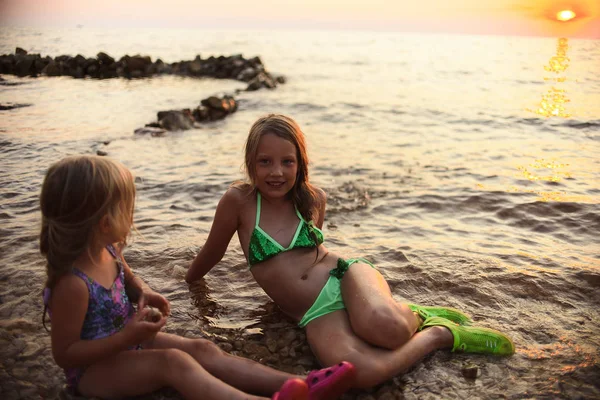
520	17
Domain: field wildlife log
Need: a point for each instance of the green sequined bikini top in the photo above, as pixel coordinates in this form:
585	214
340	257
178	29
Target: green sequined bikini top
263	246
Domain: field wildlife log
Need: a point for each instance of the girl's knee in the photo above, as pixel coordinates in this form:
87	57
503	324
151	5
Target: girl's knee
175	360
369	374
369	369
205	349
388	327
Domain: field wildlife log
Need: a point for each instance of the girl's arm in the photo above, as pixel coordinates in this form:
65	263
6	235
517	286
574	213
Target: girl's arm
139	291
224	226
69	303
133	285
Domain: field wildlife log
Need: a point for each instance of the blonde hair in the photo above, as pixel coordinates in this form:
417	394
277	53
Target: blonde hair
303	194
76	194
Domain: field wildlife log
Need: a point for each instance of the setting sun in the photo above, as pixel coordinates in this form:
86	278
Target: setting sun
565	15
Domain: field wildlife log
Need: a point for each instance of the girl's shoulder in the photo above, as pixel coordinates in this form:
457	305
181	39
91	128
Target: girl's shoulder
70	286
242	186
240	193
236	201
321	195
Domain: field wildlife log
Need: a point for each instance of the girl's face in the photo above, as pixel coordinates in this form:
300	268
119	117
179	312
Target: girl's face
123	228
276	166
115	230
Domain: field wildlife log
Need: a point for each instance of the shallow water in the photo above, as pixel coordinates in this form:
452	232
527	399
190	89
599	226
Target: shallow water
436	166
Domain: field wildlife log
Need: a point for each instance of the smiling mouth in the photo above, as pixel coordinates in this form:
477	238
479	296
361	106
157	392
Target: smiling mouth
275	184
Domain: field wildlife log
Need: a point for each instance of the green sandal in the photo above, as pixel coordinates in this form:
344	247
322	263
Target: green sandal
445	312
470	339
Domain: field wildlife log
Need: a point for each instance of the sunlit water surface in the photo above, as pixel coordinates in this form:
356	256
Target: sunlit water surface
466	168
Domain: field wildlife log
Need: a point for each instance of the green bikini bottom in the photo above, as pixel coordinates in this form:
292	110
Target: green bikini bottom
330	298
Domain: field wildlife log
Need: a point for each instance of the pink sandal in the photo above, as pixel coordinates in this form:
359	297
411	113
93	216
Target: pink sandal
292	389
330	383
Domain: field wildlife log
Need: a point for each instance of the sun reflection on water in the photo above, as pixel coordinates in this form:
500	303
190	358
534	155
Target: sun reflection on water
545	196
545	170
559	62
554	100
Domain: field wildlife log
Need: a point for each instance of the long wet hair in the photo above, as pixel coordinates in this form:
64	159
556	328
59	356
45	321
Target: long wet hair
304	195
76	194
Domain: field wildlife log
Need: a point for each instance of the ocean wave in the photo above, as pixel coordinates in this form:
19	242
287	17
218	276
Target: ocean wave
583	125
307	107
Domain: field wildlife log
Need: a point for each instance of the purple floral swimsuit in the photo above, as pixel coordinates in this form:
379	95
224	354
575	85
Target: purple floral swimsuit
108	312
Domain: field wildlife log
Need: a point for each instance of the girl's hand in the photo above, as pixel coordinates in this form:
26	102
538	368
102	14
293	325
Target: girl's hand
153	299
139	329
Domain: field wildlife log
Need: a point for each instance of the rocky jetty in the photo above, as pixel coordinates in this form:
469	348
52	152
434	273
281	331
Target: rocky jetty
210	109
103	66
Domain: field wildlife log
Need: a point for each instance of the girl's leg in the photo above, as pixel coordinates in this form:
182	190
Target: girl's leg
332	340
136	372
244	374
374	314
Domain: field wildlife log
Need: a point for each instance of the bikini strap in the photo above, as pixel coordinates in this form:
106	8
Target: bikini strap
111	249
113	252
257	210
84	277
79	273
300	215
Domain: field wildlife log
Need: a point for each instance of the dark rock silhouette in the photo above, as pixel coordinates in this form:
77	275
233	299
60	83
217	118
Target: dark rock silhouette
10	106
210	109
4	82
103	66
